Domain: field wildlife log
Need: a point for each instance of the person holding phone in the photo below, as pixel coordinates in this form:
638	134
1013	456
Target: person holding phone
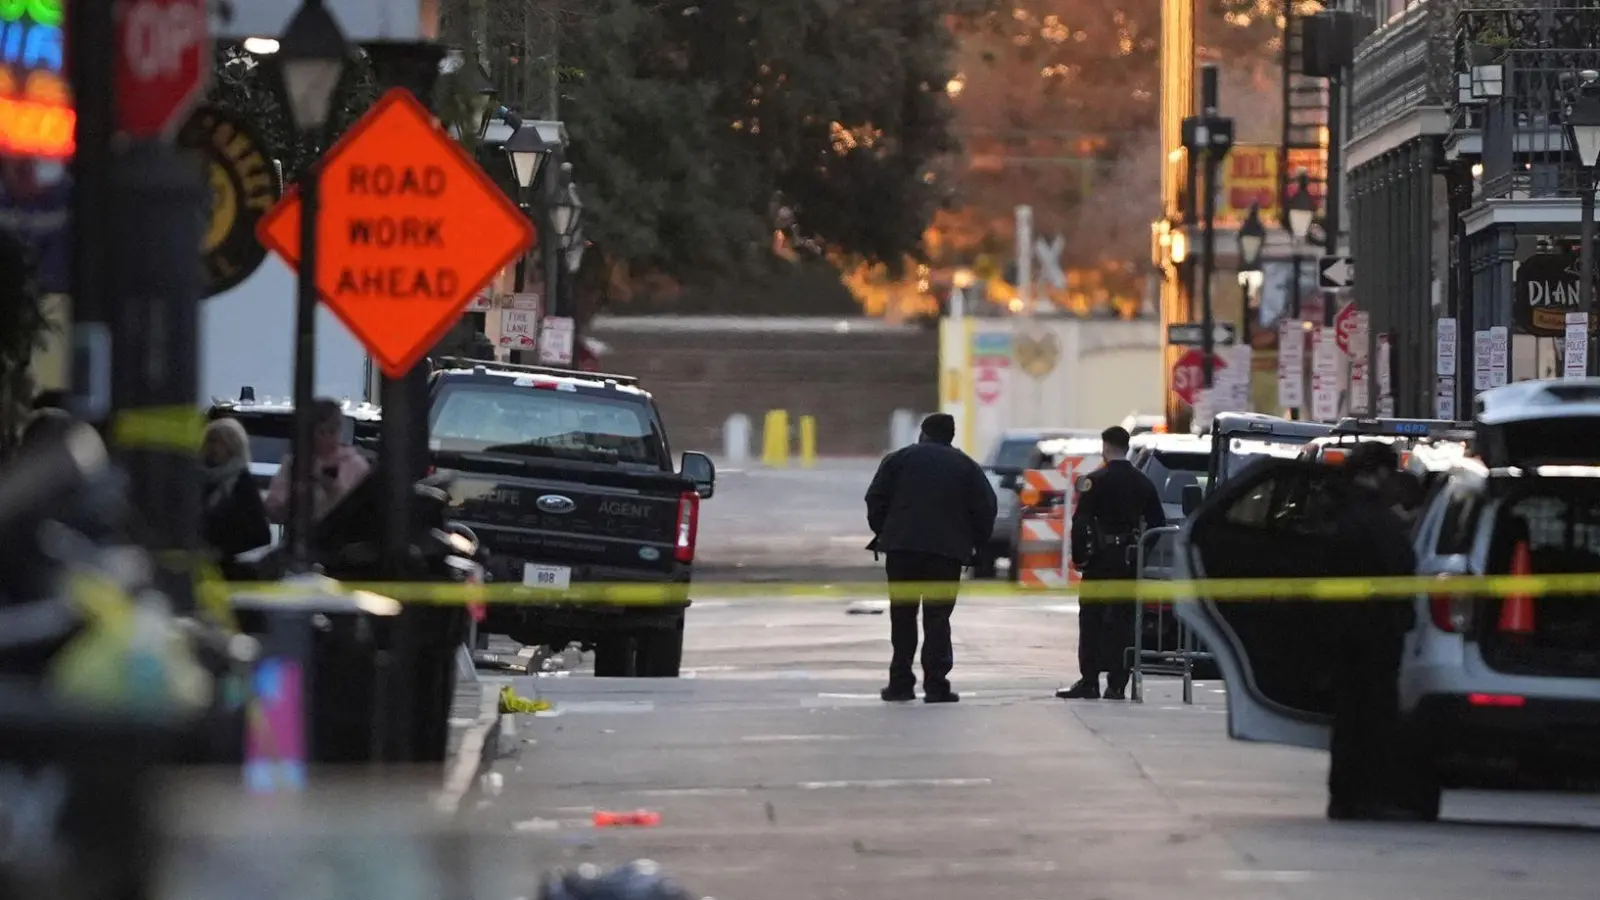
336	469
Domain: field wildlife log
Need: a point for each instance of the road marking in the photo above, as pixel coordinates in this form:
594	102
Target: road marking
1287	876
895	783
796	738
693	792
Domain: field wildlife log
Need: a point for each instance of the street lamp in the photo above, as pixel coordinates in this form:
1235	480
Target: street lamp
1582	115
1301	212
1178	247
530	145
568	212
1210	136
575	252
311	60
1252	240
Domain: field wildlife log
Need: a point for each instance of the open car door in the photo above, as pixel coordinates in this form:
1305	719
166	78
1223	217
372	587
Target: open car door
1276	519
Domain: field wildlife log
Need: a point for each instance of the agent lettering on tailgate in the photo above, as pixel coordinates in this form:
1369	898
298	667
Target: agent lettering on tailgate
623	508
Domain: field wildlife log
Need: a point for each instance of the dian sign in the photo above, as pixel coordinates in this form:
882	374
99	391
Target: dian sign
410	230
163	60
36	112
1188	375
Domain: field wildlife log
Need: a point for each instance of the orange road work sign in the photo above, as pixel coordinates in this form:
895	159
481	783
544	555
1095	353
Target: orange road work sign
409	230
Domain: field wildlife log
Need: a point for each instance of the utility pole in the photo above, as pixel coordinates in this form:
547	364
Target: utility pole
1211	134
91	35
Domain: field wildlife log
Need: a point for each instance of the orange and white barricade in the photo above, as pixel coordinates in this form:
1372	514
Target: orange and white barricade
1040	540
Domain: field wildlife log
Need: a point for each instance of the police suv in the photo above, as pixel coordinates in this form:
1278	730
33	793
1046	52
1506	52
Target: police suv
1495	691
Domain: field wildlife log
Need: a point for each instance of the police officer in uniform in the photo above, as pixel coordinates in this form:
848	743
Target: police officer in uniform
1115	504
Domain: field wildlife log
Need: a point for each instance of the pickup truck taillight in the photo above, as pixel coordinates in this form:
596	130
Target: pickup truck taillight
1450	612
688	526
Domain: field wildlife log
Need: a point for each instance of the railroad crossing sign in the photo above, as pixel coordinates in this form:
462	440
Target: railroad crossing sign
1337	272
163	59
1048	253
410	231
1188	375
1194	334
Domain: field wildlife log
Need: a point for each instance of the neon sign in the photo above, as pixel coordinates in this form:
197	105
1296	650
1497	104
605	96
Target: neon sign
36	114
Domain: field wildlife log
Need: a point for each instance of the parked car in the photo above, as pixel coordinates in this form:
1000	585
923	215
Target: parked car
1495	692
1015	451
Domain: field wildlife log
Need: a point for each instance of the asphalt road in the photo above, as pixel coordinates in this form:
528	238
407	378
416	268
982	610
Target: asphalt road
778	773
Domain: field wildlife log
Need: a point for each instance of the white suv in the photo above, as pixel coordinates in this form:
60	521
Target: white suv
1494	692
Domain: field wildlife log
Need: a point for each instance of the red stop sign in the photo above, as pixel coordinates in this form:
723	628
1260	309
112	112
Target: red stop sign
1188	375
163	57
1344	327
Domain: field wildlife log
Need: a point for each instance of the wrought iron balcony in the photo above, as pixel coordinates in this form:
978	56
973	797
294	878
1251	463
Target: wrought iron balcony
1525	145
1493	34
1392	74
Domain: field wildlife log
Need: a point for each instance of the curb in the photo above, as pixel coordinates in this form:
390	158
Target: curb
480	747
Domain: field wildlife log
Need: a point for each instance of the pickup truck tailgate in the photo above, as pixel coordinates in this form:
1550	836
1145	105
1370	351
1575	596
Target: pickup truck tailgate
610	520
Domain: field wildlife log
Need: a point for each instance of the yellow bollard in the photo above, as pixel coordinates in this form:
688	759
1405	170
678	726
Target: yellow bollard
775	439
808	442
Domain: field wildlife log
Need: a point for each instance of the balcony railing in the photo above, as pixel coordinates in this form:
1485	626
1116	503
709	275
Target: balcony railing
1392	74
1555	39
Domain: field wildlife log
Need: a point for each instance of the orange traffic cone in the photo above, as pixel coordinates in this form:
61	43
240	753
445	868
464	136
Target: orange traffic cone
1516	612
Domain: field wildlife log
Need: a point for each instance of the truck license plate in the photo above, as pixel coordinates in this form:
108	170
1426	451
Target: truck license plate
539	576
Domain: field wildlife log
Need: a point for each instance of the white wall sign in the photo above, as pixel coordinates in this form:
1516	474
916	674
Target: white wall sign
517	328
1499	355
1576	351
1480	360
1360	386
555	341
1385	380
1444	397
1291	364
1444	350
528	300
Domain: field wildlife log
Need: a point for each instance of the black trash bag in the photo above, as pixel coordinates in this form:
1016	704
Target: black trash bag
639	880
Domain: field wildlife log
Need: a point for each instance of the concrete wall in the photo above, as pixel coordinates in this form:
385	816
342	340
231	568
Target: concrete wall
851	374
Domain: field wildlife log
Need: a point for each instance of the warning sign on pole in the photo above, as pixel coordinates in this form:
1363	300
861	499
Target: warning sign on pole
555	341
409	231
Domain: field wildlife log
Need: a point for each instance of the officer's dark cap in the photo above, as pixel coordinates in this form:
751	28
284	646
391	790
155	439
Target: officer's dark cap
1116	437
940	427
1371	456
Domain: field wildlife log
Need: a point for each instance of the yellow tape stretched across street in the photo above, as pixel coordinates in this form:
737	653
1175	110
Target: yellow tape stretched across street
1324	590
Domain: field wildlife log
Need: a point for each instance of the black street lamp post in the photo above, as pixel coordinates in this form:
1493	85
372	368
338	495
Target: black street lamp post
1582	115
1252	240
1210	135
311	60
1302	212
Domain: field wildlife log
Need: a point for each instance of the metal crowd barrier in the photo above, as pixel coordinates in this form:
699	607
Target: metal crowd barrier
1179	659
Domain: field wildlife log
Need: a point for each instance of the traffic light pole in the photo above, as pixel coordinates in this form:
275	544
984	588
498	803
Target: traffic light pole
1212	135
91	35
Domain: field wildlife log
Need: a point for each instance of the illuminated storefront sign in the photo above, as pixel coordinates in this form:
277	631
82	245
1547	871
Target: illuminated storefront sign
36	114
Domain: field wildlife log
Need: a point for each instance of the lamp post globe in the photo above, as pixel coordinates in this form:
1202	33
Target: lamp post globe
311	58
1582	115
562	206
527	152
569	214
1252	239
1302	207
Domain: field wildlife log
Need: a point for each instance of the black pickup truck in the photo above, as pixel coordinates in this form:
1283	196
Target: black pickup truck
567	478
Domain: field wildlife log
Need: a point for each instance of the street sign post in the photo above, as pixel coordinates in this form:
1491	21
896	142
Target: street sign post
162	62
412	231
1188	376
1337	272
1193	334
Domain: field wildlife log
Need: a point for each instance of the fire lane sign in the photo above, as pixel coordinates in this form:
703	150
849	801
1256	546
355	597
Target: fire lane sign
409	231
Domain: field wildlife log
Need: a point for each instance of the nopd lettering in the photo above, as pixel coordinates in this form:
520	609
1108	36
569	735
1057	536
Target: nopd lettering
383	180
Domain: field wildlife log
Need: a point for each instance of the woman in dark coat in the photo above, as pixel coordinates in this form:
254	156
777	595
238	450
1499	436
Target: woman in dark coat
235	518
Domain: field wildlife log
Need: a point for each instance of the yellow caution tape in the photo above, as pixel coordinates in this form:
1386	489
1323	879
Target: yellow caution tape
511	703
179	428
1147	591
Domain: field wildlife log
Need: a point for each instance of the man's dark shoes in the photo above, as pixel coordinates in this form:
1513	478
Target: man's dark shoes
1115	694
895	694
1082	690
944	696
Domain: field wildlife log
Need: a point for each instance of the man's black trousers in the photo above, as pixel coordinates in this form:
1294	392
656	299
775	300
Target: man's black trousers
930	582
1105	632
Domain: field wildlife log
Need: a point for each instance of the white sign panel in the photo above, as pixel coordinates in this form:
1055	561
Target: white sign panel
517	328
1385	382
1360	387
1386	407
555	341
1237	374
1577	346
1499	355
1444	350
1291	364
1324	353
1444	397
528	301
1480	360
1361	337
1324	398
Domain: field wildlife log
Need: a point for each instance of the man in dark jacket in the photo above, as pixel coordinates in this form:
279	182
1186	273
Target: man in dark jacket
1115	504
1370	775
930	508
